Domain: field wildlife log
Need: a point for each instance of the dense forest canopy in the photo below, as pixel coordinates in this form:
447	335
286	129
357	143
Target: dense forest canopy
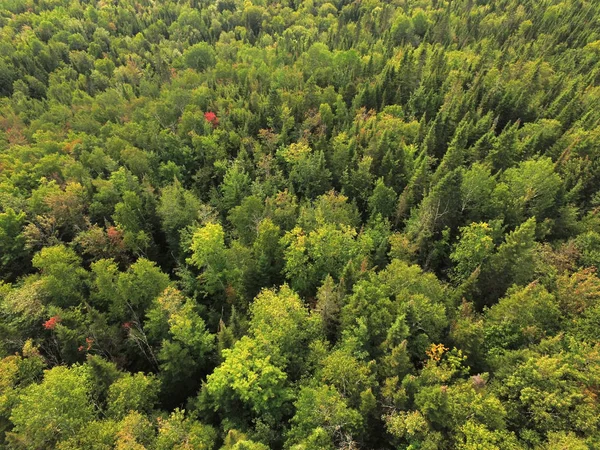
299	224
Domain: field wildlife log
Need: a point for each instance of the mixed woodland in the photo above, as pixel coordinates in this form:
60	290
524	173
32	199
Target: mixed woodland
299	224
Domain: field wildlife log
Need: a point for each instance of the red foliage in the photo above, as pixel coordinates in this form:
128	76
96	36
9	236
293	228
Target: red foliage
88	341
51	323
113	233
115	237
212	118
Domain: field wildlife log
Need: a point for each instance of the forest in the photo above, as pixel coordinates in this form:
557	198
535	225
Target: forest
299	224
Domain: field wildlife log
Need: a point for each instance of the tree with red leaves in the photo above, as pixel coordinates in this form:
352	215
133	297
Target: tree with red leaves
212	118
51	323
114	234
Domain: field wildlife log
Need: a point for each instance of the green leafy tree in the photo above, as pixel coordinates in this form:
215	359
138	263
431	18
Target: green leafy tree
308	173
177	208
62	274
529	190
310	257
281	319
200	57
210	254
235	186
523	317
248	384
12	243
185	343
472	250
513	263
322	420
383	200
179	432
55	409
136	392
